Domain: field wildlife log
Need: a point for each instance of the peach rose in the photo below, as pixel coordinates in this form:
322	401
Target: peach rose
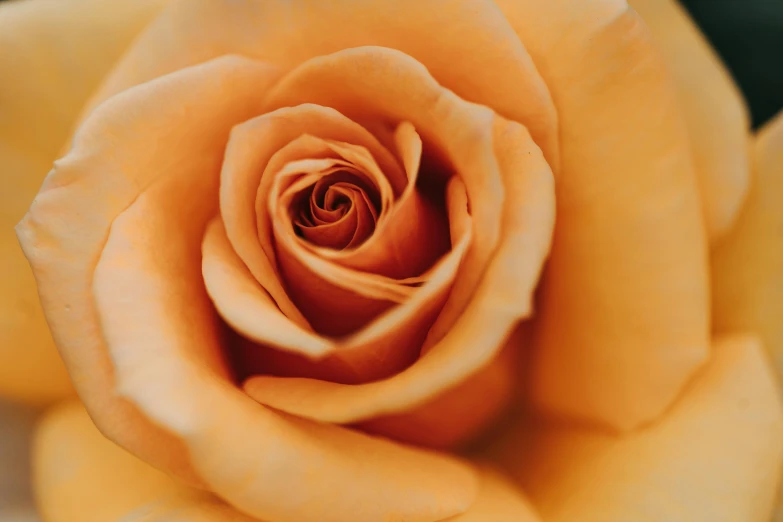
291	250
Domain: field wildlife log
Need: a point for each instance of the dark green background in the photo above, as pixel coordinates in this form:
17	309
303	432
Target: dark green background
748	34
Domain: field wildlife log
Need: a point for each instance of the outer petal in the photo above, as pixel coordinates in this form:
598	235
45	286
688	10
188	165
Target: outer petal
80	476
715	457
509	186
476	54
498	501
269	465
52	56
624	319
715	113
116	154
748	264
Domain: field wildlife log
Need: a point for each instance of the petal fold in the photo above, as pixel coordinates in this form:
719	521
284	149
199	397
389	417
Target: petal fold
52	56
127	144
717	455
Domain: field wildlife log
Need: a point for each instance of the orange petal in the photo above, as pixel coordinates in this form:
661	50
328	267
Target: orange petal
112	160
383	347
382	87
716	455
53	55
498	500
244	304
476	54
454	418
268	465
748	264
747	276
624	319
82	476
252	146
714	110
501	300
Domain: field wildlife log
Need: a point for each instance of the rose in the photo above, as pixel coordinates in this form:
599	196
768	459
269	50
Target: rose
116	233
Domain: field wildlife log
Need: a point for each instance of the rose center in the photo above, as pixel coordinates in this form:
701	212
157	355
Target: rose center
339	211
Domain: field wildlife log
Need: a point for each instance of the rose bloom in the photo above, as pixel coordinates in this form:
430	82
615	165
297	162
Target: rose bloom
388	260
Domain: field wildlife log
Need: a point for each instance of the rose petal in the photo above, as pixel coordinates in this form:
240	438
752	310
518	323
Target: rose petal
714	110
52	56
397	249
453	418
747	277
716	456
259	460
116	154
80	475
624	320
476	53
498	500
383	347
245	305
503	297
383	87
748	264
252	146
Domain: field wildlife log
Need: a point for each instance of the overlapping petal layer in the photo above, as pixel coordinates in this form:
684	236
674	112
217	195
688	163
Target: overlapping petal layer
50	64
747	265
715	456
624	317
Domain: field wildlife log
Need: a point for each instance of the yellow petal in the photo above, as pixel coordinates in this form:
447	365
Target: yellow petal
747	265
52	56
268	465
509	187
138	189
714	110
114	157
715	457
624	318
476	53
80	476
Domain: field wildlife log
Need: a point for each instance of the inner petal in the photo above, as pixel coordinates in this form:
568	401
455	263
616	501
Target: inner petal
336	212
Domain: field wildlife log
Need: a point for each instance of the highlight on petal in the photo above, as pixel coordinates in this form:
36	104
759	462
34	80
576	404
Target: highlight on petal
253	457
55	54
624	317
127	144
500	167
476	54
714	110
338	291
716	455
81	475
747	265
